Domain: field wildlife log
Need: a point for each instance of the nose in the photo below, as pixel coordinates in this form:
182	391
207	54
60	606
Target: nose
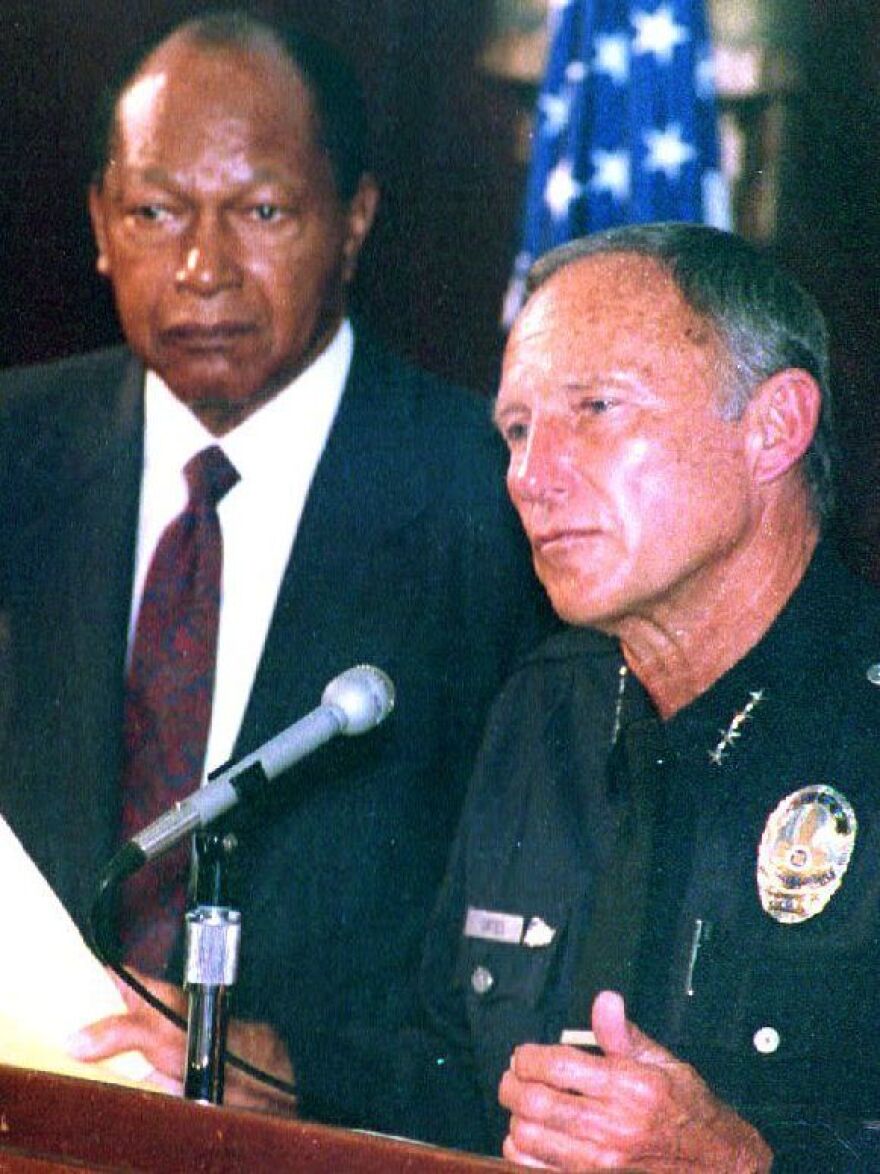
209	262
538	471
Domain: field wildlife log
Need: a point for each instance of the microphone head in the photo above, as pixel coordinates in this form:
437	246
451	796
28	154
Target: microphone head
364	695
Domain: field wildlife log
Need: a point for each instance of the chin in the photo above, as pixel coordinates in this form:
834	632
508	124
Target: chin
211	384
574	610
575	602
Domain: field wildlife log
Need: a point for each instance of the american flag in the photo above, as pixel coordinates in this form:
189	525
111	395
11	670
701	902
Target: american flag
625	127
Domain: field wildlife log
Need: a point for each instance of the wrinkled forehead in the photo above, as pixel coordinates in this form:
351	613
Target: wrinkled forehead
621	300
611	320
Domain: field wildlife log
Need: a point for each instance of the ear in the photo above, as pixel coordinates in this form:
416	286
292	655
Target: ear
784	414
361	214
97	214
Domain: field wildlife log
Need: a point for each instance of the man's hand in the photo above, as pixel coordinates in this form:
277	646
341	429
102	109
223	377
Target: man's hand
634	1105
145	1030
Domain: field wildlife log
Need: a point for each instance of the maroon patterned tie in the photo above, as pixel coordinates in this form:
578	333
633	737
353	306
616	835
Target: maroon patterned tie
168	703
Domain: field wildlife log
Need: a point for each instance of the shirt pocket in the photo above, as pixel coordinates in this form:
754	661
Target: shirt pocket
776	1009
518	978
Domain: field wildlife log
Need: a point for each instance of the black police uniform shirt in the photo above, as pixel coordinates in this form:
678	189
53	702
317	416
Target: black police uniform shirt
781	1019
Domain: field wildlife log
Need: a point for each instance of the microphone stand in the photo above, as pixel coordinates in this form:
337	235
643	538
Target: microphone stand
352	703
210	1021
213	936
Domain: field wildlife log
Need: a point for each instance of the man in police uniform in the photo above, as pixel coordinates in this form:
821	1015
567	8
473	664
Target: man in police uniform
671	850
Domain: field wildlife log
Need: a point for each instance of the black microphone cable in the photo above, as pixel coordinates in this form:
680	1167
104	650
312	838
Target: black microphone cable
124	864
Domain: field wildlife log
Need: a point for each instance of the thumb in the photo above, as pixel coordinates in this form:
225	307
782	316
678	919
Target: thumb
610	1025
618	1036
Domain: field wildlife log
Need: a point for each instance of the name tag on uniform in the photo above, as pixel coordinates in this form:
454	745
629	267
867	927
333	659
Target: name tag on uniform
491	926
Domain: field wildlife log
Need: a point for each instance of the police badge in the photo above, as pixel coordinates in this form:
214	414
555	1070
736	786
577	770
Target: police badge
804	852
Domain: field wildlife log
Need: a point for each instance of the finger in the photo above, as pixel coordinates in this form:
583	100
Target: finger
603	1121
512	1154
106	1037
538	1145
613	1103
162	1044
561	1068
109	1038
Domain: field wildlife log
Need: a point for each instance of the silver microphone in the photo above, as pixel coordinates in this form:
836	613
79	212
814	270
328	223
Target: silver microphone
353	703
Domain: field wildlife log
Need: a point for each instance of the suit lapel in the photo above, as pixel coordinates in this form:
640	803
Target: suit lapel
355	539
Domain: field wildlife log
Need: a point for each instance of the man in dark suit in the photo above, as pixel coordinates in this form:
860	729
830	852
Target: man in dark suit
368	525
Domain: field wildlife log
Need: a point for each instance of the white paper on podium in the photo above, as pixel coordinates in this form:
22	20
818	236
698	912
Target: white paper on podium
51	984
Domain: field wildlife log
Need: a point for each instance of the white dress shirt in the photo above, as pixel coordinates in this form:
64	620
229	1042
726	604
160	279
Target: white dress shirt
276	452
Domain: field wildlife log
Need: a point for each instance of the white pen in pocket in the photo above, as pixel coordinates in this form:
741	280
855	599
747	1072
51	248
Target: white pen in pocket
576	1038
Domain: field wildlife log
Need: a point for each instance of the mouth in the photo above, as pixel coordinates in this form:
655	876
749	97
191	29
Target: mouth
559	541
199	337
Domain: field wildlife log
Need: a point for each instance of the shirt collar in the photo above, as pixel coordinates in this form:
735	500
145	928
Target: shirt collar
260	445
778	664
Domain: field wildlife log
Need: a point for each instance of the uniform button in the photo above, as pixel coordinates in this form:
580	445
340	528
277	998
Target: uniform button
482	980
766	1040
873	674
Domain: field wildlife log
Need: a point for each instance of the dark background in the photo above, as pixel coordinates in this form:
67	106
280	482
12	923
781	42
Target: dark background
445	149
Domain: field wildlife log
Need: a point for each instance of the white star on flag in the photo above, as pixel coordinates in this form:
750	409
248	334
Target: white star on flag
575	72
556	110
555	9
612	58
562	188
657	33
667	150
612	173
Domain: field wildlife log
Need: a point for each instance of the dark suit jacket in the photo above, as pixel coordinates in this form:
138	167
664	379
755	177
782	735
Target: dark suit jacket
407	557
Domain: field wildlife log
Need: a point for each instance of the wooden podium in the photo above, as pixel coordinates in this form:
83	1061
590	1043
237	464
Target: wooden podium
54	1123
